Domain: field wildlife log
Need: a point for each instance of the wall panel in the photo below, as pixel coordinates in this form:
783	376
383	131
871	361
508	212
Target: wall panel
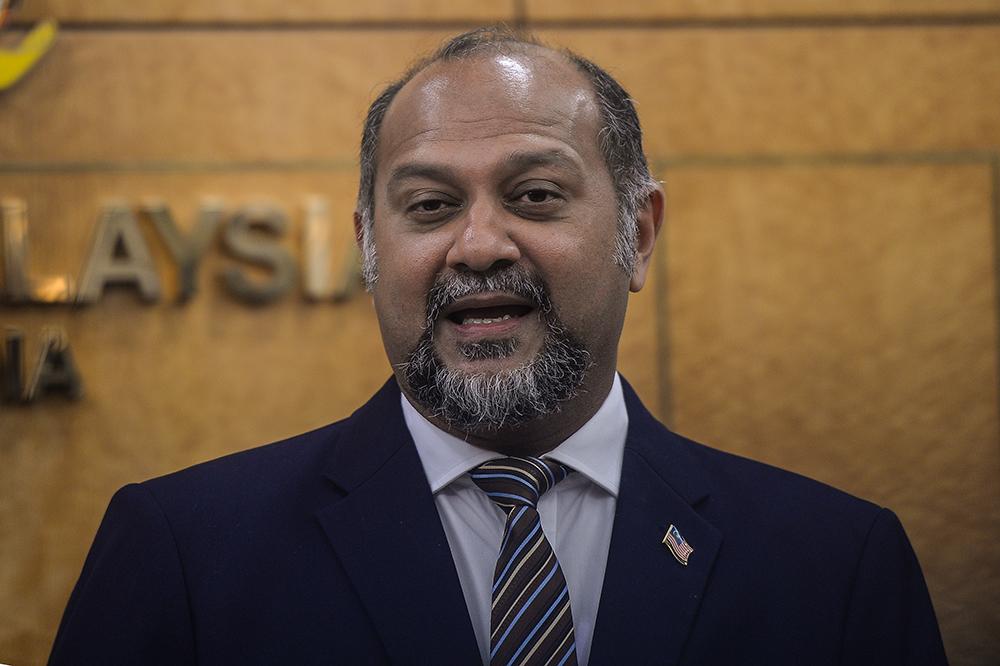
834	320
838	90
203	96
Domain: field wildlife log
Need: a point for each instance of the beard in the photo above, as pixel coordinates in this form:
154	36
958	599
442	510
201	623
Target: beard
483	402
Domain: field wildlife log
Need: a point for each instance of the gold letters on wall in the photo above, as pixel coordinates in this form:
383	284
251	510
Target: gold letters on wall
120	254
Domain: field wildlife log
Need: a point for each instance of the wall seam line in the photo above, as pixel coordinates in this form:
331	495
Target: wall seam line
995	172
520	17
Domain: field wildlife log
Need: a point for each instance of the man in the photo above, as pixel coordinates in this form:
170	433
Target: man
505	498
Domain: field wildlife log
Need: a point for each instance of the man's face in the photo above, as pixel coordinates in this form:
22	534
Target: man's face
491	167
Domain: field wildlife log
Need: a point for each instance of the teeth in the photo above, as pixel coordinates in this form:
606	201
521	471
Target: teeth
492	320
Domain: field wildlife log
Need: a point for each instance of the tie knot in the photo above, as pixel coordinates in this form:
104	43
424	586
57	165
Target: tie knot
511	482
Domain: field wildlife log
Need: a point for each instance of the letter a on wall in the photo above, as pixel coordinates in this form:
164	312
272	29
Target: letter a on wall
56	371
119	255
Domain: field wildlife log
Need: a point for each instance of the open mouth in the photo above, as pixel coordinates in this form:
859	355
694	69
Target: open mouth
472	316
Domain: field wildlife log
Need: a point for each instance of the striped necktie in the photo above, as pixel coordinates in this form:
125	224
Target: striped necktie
531	622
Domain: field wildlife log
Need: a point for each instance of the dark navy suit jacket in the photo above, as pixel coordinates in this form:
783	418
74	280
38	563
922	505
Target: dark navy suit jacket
327	549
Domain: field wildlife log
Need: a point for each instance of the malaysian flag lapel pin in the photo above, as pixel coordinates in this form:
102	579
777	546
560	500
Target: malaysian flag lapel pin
680	548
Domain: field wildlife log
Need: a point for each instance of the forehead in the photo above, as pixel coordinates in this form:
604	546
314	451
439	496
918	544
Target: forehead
459	108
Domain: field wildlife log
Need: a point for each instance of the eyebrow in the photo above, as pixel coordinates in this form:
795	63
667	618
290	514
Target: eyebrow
422	170
514	162
523	160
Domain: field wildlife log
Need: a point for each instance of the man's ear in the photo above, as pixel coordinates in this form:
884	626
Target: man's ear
359	231
649	220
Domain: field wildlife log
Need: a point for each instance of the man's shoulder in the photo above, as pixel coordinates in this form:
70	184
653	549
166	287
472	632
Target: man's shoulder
738	483
272	475
756	504
775	488
833	570
274	459
276	474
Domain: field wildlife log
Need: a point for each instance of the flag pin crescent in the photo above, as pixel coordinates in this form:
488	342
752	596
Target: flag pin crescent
680	548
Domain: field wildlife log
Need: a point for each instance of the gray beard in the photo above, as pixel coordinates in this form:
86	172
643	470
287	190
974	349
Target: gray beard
484	402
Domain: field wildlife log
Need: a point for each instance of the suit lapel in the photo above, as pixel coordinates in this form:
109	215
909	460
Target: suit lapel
649	600
387	534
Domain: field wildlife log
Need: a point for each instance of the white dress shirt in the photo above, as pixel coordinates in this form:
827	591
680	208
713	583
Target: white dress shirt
576	515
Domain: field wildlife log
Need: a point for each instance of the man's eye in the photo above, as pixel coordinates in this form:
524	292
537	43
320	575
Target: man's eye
536	202
430	207
538	196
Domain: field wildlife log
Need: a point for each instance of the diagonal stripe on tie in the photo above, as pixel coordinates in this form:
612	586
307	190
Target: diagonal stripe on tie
531	618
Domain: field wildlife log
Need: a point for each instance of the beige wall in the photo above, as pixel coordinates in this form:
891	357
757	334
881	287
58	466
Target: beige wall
824	296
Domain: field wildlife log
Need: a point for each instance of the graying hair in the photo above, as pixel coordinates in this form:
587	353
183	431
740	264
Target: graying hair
619	138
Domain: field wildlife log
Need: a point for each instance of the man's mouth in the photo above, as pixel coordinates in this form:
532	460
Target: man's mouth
488	315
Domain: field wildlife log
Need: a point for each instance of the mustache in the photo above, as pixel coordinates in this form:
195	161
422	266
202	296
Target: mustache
511	279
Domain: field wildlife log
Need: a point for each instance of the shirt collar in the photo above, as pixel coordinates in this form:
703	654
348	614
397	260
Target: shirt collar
595	450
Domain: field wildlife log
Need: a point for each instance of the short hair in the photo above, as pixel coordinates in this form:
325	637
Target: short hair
619	136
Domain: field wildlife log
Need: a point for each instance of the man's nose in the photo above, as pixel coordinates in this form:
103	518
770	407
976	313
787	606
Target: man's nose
482	239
